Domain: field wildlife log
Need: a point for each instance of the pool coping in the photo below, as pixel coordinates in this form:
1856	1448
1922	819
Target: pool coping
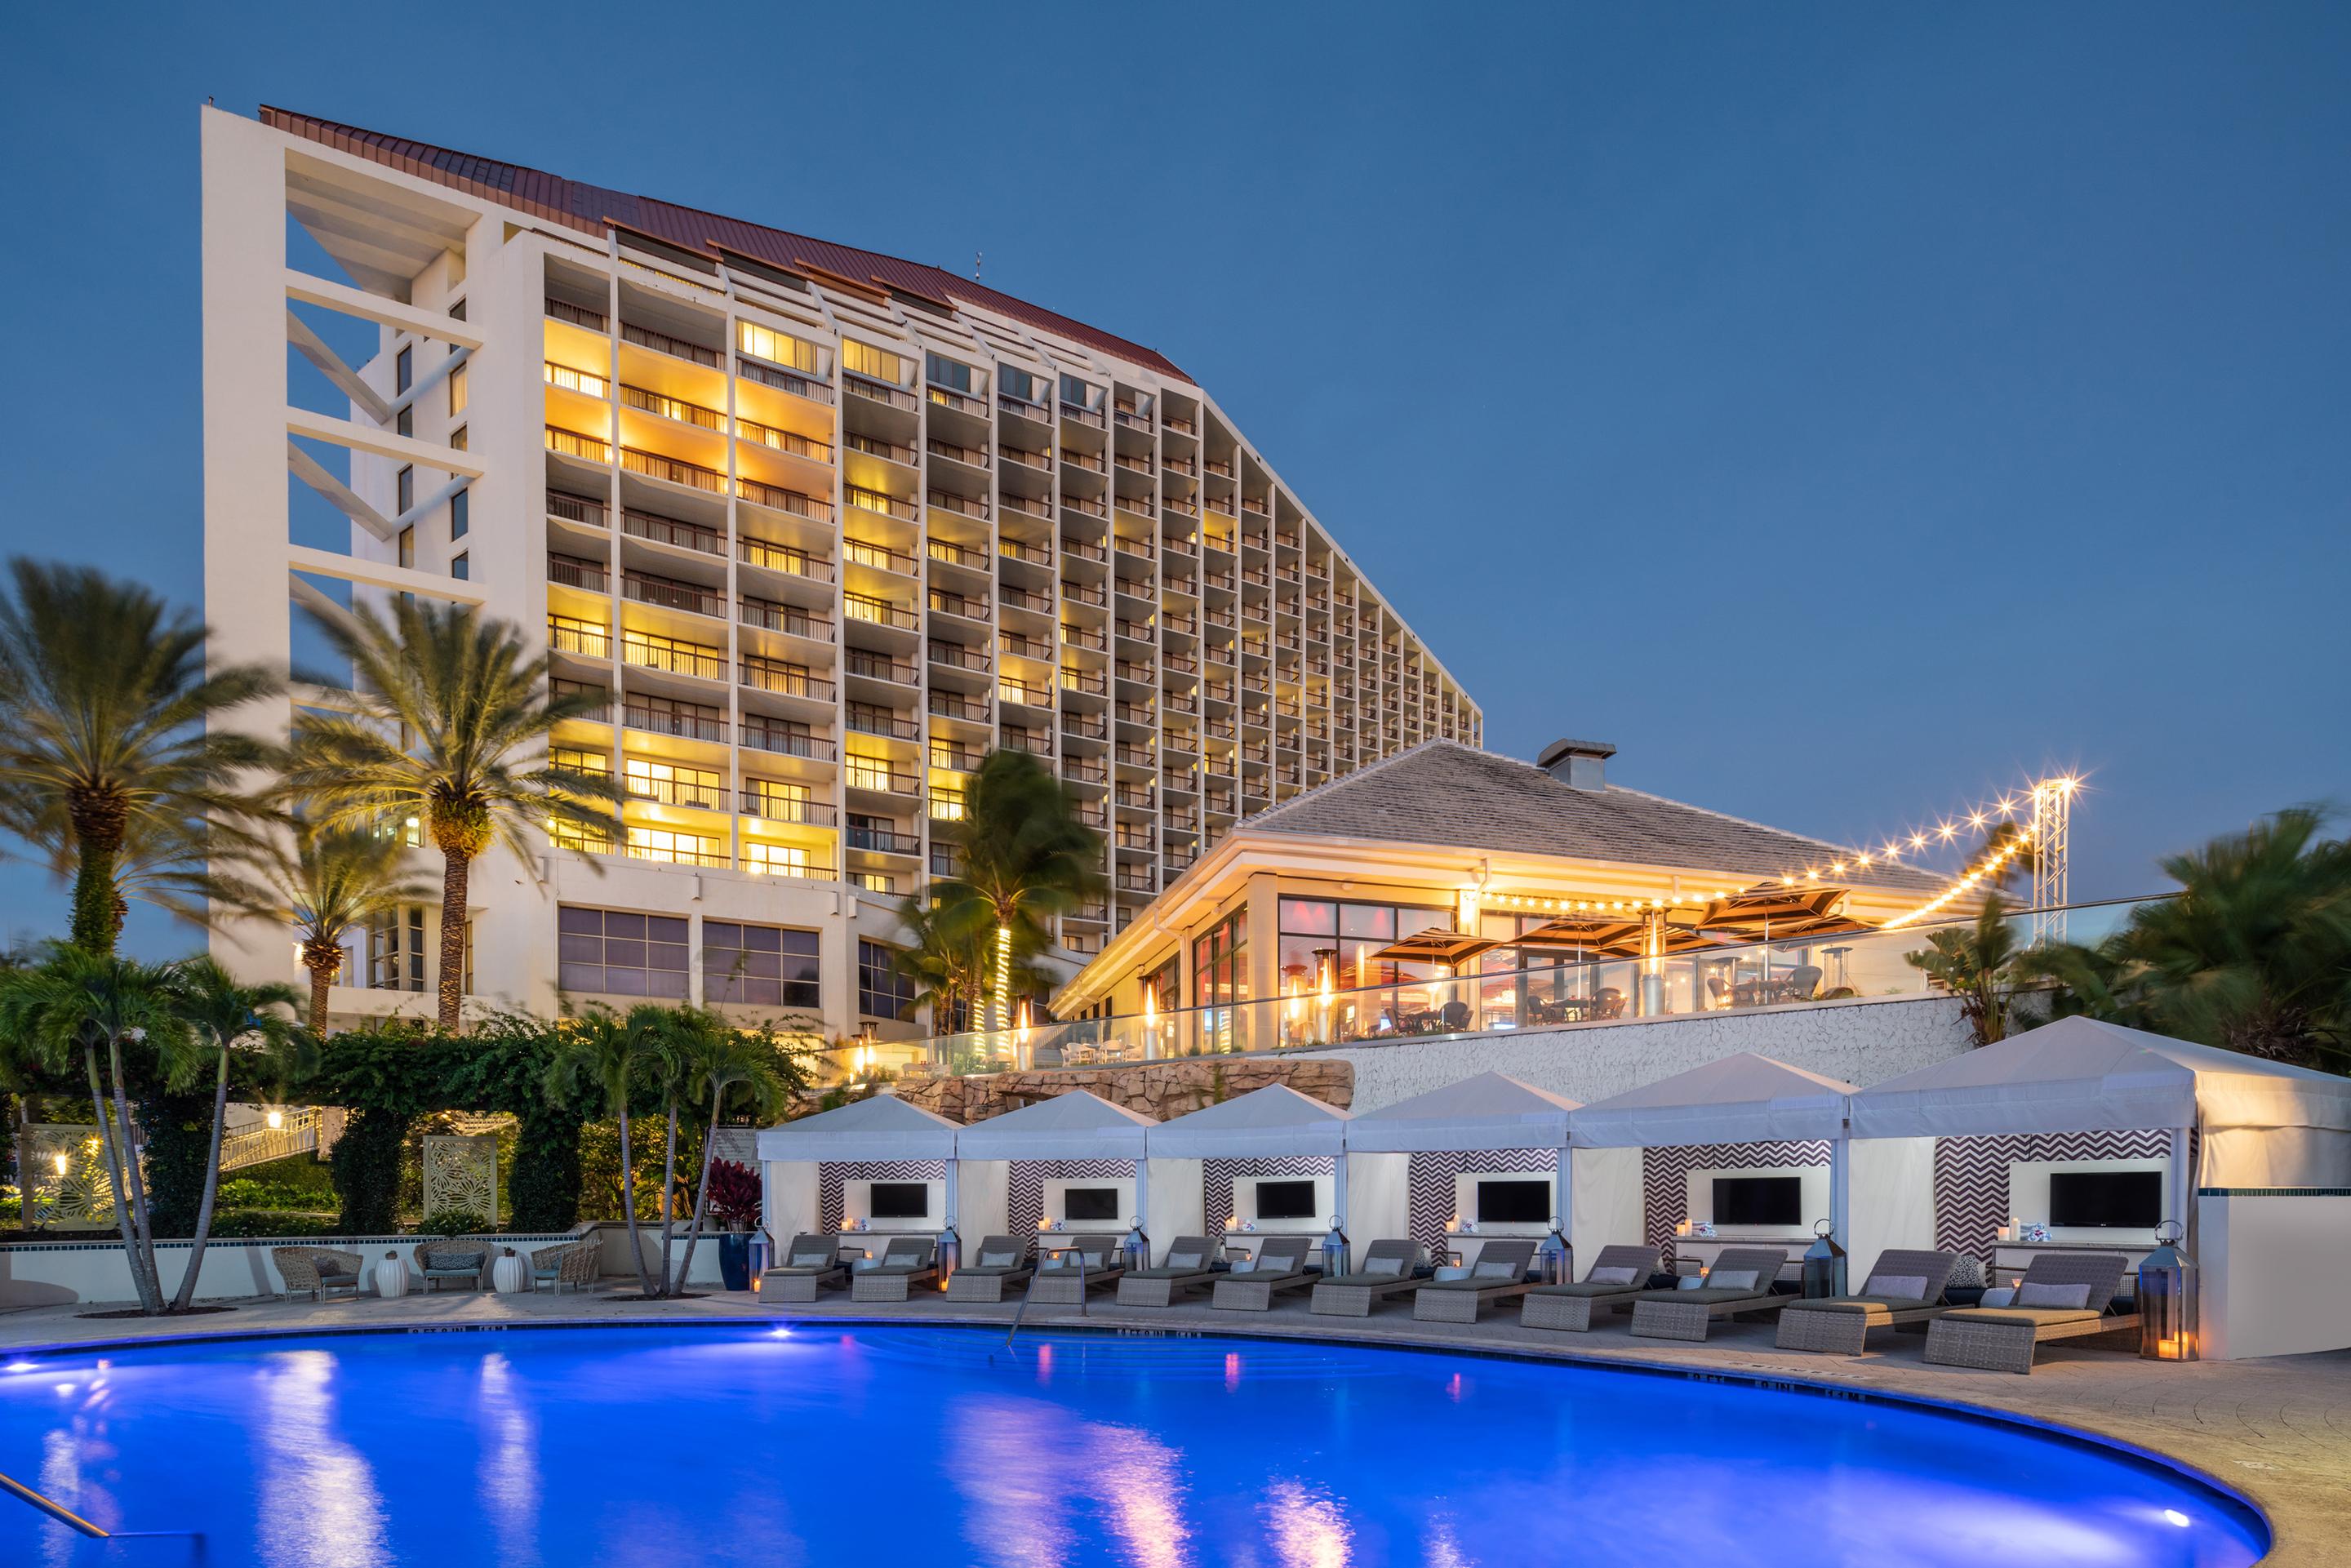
1778	1382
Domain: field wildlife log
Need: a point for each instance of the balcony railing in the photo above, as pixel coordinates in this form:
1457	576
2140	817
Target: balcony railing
1022	598
663	343
670	532
790	619
577	315
949	501
765	675
779	805
866	720
673	470
955	554
778	499
954	704
671	792
676	658
782	380
956	655
585	510
881	557
877	501
667	407
671	594
574	572
784	557
878	611
880	392
783	439
1022	550
880	667
874	446
579	444
688	720
783	739
962	604
865	773
882	840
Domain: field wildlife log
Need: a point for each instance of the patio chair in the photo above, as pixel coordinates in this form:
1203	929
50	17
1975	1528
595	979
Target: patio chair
1456	1015
1500	1274
1001	1260
1905	1287
1085	1263
316	1270
1190	1266
1615	1277
811	1263
1250	1285
454	1260
1612	1002
573	1263
1747	1273
1387	1269
1804	982
906	1262
2063	1295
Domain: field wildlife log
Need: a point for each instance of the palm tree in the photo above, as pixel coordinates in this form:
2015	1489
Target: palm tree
328	882
451	732
614	1053
230	1019
1979	965
191	868
1022	857
946	958
107	702
751	1066
79	1002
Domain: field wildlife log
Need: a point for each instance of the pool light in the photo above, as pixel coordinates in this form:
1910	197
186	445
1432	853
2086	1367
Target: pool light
24	1365
2176	1517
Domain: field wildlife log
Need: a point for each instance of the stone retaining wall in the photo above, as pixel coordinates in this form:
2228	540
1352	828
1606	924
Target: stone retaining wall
1157	1089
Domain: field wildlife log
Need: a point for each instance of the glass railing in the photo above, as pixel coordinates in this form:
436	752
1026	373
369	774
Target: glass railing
1513	991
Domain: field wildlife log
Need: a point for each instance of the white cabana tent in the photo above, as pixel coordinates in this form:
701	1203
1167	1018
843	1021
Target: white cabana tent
881	1130
1741	1099
1271	1123
1476	1115
1073	1127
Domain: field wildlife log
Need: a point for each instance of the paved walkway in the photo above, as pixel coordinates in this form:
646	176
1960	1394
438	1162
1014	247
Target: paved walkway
2277	1431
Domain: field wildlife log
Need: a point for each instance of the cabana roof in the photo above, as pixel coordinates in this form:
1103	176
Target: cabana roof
1073	1126
1488	1112
1741	1099
880	1127
1274	1120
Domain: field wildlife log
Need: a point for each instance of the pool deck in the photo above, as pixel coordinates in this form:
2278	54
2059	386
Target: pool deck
2277	1431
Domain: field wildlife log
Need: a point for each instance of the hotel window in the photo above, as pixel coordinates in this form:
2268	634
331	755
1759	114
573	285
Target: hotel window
461	566
1161	984
407	545
1220	962
395	949
779	349
758	965
618	954
404	488
457	439
672	848
875	364
952	374
456	313
774	859
881	990
577	759
673	784
456	391
568	835
460	514
1019	383
874	880
404	370
779	802
1313	929
406	423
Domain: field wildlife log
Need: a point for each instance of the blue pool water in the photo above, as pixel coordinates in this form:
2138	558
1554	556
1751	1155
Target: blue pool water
825	1445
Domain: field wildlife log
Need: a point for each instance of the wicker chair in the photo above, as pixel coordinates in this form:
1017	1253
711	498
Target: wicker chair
2005	1339
1570	1308
574	1263
1003	1261
1280	1265
1499	1274
1689	1315
1063	1280
906	1262
811	1263
1190	1266
299	1269
1388	1266
457	1247
1840	1325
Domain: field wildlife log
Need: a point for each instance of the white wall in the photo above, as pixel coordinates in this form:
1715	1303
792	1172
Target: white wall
1171	1203
790	1205
1379	1198
1890	1199
1604	1191
1698	1196
983	1195
2275	1271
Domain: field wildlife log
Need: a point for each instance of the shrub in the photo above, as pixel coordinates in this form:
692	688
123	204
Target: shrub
734	1193
242	1223
455	1222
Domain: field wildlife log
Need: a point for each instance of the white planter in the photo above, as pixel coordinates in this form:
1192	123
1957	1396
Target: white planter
507	1275
392	1278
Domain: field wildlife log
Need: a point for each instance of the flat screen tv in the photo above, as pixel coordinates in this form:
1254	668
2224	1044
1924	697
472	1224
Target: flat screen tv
1090	1203
1759	1200
1285	1200
1513	1202
2106	1200
900	1199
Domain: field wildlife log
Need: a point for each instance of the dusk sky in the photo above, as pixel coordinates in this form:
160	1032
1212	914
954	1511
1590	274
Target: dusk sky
1848	412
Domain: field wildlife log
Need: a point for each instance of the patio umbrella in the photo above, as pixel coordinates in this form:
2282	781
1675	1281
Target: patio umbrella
1773	912
1437	946
1603	935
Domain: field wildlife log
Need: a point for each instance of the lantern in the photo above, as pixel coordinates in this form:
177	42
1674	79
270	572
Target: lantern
1334	1251
1136	1247
950	1253
1823	1264
1557	1258
2167	1298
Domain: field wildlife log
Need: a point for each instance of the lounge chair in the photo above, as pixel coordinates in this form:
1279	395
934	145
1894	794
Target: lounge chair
454	1260
907	1261
1085	1263
1388	1268
1190	1266
1002	1260
573	1263
316	1270
2004	1338
1689	1313
1500	1274
811	1263
1905	1287
1617	1276
1250	1285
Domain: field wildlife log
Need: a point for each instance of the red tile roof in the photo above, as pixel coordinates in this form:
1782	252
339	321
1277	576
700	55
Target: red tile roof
596	208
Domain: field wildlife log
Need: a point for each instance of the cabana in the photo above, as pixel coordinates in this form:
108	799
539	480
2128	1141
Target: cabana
879	1161
1744	1119
2255	1159
1461	1165
1245	1161
1075	1160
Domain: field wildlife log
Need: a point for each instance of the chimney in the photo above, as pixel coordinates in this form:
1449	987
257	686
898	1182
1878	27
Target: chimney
1578	764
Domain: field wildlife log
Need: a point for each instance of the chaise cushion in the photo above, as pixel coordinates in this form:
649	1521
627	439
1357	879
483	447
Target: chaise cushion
2038	1317
1612	1276
453	1262
1383	1267
996	1259
2074	1297
1497	1270
1908	1287
1731	1279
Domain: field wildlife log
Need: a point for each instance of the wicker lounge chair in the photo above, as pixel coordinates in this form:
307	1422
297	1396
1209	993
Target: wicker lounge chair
2004	1339
1001	1260
1840	1325
1083	1264
1387	1269
1280	1265
1615	1277
1500	1274
573	1263
1190	1266
1689	1315
811	1263
316	1270
906	1262
455	1260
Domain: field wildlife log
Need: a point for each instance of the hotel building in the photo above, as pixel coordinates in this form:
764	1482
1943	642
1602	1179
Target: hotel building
819	527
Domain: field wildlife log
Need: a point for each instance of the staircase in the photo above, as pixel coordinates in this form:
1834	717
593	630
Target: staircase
297	1134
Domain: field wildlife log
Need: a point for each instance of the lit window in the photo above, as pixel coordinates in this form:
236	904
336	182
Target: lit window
674	848
671	783
775	860
865	360
456	391
782	802
575	760
457	439
407	541
780	348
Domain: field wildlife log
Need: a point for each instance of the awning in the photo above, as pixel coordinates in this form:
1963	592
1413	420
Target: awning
1272	1121
1437	945
1072	1126
1488	1112
1743	1099
881	1127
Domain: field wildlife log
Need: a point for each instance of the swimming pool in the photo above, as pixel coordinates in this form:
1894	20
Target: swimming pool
838	1445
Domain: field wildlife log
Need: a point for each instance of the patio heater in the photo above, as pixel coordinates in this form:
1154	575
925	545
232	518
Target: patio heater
1137	1248
1557	1260
1335	1250
1823	1264
2167	1298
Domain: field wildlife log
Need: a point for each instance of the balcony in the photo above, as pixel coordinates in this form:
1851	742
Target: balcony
956	655
764	675
948	501
673	470
785	558
1080	593
880	667
578	443
1035	742
670	791
776	440
1022	551
882	392
782	380
1021	647
875	611
956	555
881	557
565	635
575	572
878	777
670	532
778	499
1136	880
969	456
790	619
878	502
880	841
676	658
577	315
874	446
957	758
779	803
676	347
1092	683
690	721
954	704
1040	461
1083	550
1086	726
585	510
671	594
684	413
865	718
1009	690
1023	599
962	604
782	739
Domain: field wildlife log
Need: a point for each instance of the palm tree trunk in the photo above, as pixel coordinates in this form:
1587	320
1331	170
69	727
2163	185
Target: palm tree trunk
702	1193
669	1191
629	1204
456	873
324	962
187	1291
999	1001
149	1299
318	984
141	1220
95	926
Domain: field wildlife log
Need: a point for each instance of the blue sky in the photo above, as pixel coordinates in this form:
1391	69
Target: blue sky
1847	412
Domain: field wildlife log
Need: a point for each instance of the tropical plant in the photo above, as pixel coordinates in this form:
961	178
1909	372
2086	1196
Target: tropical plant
614	1053
450	733
1978	964
947	957
1021	857
734	1193
325	882
108	706
455	1222
229	1019
756	1069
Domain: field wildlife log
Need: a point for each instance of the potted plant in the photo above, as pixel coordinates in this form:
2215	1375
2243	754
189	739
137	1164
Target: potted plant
735	1205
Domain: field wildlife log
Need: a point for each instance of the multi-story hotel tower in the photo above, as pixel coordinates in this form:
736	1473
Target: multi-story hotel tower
821	527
